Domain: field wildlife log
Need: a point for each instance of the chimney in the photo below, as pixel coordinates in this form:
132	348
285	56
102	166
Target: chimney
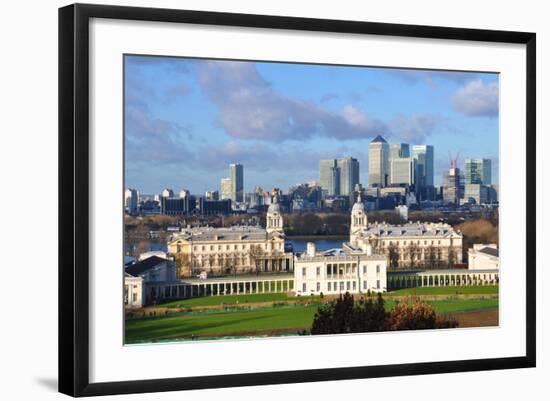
310	249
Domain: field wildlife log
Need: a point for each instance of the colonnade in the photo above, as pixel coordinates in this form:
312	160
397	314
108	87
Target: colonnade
441	278
231	286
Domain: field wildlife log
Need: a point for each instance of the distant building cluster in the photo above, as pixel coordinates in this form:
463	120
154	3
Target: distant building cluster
399	174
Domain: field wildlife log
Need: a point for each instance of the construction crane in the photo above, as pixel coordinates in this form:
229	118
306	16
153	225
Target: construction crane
454	162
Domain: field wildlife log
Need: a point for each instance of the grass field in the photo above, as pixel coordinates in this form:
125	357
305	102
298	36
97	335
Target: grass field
227	300
451	290
257	322
282	297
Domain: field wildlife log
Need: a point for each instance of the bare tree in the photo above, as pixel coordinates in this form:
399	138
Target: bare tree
413	251
451	257
431	259
256	254
393	255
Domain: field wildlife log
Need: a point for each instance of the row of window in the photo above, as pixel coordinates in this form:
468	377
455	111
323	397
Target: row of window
339	269
234	247
340	286
417	242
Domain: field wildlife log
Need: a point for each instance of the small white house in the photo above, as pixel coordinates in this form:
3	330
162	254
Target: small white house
338	271
483	256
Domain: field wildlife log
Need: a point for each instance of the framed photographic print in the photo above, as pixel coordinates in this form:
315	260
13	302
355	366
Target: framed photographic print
251	199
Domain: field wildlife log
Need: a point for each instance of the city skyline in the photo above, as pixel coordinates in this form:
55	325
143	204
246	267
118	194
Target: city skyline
186	119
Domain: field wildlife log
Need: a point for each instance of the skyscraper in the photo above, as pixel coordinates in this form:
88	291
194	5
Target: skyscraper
236	175
424	156
378	162
349	174
451	188
478	171
131	200
399	150
403	170
226	188
329	177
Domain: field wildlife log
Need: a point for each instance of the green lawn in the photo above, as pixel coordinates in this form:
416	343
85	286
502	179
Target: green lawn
220	324
227	300
451	290
256	322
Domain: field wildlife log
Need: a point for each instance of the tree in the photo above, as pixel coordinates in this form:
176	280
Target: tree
346	316
393	255
412	315
256	254
431	256
451	257
413	251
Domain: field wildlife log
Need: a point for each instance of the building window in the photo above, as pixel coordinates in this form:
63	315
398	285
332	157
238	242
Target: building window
341	286
378	284
304	287
329	286
377	268
318	287
134	297
348	286
303	271
318	271
329	272
365	284
364	269
202	248
354	286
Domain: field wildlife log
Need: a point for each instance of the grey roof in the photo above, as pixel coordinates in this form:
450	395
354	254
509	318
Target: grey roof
489	251
234	233
410	229
144	265
379	139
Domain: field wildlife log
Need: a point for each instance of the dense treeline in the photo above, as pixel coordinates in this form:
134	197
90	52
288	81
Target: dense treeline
344	315
477	227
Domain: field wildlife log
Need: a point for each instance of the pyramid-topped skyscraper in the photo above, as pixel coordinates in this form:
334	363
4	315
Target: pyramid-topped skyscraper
379	151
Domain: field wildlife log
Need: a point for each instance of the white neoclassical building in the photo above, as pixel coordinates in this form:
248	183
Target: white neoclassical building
134	291
483	256
337	271
229	250
413	245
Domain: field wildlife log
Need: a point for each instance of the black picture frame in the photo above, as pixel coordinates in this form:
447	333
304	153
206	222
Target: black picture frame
74	198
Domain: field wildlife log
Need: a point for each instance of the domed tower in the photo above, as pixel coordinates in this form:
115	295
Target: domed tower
358	219
274	219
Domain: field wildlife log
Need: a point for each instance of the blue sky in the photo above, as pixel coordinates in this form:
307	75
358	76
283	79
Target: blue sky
187	119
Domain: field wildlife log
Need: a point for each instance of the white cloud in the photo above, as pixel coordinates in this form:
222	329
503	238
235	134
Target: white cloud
477	99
